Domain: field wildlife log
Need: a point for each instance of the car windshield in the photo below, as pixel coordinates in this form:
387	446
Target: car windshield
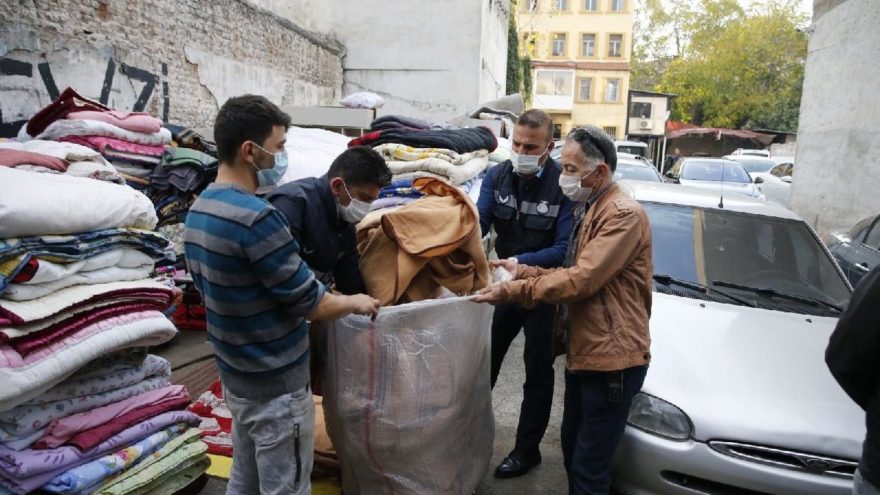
711	170
626	171
632	150
756	165
704	246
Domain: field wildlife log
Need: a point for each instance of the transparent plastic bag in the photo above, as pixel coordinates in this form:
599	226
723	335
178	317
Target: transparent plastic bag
407	398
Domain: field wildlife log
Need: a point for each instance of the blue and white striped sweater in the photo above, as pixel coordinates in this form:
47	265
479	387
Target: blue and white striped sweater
256	288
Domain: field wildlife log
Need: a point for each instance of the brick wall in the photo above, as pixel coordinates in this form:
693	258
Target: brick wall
177	59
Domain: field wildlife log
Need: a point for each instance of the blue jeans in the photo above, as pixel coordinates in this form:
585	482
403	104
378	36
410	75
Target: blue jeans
593	422
273	444
861	486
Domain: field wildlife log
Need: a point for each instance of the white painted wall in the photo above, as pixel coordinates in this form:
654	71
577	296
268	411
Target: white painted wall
426	58
837	171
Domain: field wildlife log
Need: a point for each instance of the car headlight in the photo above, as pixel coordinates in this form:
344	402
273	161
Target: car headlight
659	417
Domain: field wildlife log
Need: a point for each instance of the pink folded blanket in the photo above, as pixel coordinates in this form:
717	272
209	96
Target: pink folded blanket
132	121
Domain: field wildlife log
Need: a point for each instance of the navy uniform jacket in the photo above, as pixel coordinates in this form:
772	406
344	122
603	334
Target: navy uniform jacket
327	243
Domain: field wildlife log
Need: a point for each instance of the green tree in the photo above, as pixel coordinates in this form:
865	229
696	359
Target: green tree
514	68
729	67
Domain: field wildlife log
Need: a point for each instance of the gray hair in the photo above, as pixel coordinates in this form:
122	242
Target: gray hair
596	145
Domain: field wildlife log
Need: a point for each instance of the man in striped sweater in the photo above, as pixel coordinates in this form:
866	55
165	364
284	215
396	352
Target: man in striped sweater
259	295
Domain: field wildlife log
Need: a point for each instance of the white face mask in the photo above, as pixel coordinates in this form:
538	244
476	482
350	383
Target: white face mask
571	187
526	164
356	209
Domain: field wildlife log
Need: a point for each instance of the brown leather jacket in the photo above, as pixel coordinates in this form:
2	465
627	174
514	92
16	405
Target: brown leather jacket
608	288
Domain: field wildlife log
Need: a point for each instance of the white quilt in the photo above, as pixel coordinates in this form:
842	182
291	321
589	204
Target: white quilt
48	271
64	127
27	292
21	384
457	174
37	309
45	204
84	162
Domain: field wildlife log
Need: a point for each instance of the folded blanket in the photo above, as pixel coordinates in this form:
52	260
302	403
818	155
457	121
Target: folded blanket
111	372
19	312
61	430
64	151
404	153
27	292
142	472
390	202
68	101
458	140
216	421
94	472
62	128
27	377
86	170
456	174
132	121
39	340
14	158
399	121
172	475
16	254
117	149
27	419
26	470
47	271
45	204
66	322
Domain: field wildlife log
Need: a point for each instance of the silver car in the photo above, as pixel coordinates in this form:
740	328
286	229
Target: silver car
716	174
738	398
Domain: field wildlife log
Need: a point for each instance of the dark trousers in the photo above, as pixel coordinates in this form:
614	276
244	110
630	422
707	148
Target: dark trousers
592	425
538	357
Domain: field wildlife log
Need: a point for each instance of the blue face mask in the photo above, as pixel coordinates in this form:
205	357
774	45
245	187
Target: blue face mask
271	176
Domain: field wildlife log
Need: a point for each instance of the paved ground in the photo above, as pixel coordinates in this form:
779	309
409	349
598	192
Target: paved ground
193	367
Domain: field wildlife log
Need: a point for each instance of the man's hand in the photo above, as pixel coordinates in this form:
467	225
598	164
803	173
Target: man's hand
362	304
491	295
509	264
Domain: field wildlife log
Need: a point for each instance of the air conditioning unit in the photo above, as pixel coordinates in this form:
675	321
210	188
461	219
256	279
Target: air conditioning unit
644	124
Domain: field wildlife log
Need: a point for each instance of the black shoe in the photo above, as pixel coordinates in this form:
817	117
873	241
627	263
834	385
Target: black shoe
517	464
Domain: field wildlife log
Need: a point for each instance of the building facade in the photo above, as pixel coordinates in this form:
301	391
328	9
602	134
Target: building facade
427	59
580	51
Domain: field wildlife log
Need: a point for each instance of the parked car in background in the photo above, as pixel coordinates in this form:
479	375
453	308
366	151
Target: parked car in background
858	249
776	183
737	399
748	152
716	174
780	159
632	167
753	164
632	147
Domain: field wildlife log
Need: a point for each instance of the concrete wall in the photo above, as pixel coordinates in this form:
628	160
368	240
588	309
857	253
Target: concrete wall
177	59
426	58
837	172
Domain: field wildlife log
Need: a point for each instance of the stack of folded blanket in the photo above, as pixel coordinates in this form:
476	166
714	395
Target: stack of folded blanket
54	157
132	142
83	407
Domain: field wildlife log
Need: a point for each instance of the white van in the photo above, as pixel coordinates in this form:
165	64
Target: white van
632	147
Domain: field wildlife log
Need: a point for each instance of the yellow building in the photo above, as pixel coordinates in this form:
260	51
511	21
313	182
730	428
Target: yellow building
580	52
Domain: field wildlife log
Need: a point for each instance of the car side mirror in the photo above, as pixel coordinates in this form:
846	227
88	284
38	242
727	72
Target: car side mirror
786	179
759	180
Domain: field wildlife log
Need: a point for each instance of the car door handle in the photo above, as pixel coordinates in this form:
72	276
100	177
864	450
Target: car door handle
862	267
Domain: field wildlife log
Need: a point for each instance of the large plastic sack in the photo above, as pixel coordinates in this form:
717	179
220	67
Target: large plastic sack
407	398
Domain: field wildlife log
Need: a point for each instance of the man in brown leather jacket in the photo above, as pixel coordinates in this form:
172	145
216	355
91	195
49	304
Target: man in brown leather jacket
604	297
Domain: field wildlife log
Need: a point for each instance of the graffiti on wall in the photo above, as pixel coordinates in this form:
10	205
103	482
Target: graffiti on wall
29	81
